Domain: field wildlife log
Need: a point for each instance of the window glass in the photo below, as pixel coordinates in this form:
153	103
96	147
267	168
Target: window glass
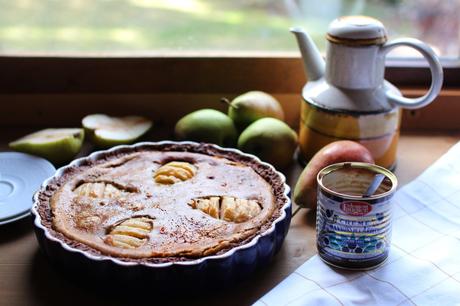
138	26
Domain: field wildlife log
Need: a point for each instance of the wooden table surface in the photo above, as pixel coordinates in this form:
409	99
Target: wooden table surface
26	278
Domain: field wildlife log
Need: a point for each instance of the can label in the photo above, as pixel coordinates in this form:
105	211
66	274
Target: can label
355	208
353	233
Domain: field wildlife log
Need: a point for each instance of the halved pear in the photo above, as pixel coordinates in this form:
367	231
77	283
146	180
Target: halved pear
106	131
57	145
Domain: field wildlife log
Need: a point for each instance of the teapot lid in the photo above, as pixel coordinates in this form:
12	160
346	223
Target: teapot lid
356	31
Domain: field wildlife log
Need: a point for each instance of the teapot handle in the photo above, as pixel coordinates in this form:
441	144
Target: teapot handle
435	68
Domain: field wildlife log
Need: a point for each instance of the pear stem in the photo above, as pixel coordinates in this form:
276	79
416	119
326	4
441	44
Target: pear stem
227	101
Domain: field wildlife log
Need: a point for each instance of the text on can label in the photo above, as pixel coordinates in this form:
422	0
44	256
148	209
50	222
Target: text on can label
355	208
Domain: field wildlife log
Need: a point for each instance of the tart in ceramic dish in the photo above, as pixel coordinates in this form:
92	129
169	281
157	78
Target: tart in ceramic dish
163	204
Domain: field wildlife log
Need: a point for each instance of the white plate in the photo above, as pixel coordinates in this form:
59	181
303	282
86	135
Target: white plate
20	177
15	218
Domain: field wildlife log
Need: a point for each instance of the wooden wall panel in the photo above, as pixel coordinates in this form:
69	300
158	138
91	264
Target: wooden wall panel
165	109
59	91
44	110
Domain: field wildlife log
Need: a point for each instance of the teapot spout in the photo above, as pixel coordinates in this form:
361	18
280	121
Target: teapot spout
313	62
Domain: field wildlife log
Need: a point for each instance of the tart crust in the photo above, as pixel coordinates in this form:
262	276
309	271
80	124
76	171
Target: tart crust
179	231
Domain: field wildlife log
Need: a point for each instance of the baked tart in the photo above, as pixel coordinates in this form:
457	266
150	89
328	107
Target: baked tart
165	202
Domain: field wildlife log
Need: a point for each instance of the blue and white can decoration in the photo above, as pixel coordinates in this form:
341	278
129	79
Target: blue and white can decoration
353	230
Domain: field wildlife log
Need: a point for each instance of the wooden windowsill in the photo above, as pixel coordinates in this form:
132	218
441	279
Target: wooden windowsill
28	279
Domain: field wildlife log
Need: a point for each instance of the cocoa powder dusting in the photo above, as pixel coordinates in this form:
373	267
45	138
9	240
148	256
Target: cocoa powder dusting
268	174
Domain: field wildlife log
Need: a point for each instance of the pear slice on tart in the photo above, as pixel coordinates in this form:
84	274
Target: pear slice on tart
106	131
57	145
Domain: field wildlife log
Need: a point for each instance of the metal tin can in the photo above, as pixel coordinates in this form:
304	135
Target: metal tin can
354	231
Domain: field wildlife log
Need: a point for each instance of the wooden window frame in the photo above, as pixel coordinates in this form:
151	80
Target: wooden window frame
58	90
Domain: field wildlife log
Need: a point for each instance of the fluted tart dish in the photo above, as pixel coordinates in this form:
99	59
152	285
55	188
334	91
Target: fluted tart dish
191	210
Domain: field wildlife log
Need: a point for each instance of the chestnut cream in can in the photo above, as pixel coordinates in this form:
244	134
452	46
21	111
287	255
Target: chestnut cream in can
353	231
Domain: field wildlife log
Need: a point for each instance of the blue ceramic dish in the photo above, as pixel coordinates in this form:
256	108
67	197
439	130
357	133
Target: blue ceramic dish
211	271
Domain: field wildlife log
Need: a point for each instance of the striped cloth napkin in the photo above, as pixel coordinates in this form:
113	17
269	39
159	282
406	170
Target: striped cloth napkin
424	263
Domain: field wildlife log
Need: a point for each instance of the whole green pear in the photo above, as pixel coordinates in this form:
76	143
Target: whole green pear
207	125
251	106
271	140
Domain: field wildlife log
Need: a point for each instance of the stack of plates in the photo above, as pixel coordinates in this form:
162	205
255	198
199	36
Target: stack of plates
20	177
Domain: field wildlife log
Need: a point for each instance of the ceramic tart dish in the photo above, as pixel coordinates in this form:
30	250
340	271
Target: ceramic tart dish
165	214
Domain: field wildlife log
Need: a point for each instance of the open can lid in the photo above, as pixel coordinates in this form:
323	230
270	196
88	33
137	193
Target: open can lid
357	31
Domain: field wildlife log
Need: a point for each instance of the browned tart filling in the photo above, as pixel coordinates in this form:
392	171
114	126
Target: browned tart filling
173	202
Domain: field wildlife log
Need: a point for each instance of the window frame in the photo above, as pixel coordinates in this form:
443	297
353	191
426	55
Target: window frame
60	90
184	74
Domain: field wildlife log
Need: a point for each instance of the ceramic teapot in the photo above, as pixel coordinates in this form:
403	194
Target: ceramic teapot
346	97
